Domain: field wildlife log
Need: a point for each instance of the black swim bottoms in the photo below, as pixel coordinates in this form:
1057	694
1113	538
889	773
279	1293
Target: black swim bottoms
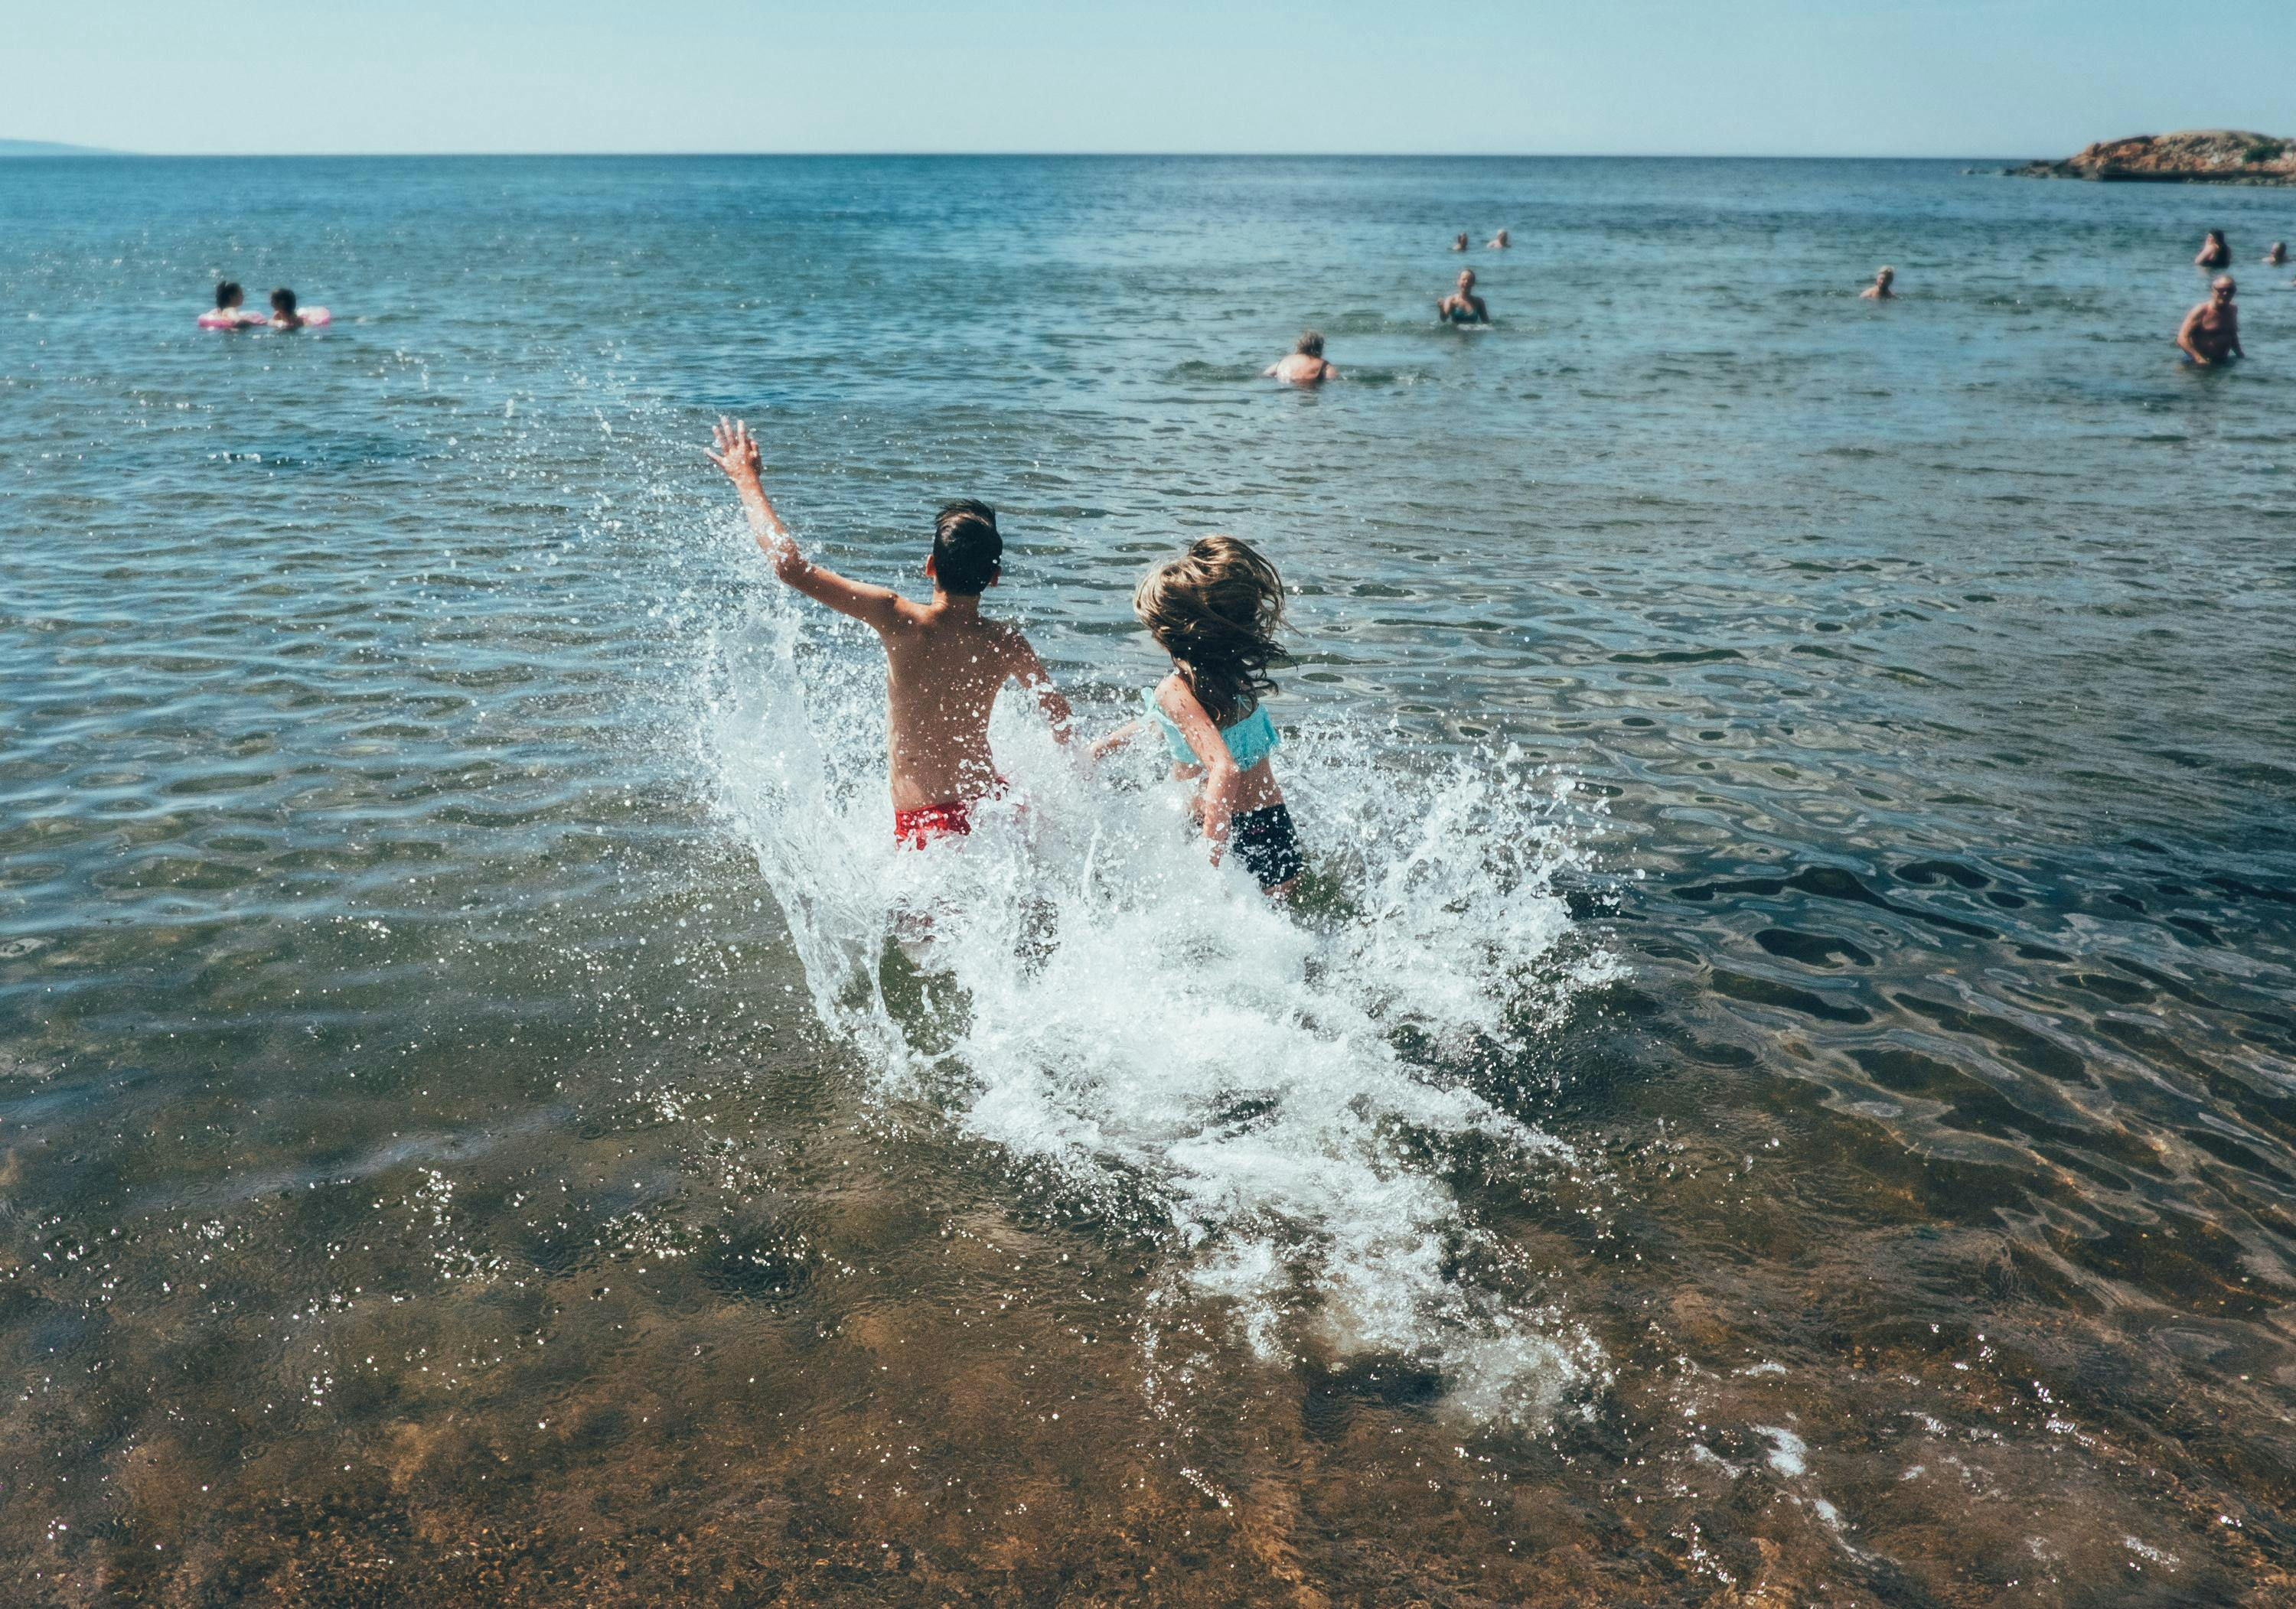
1266	844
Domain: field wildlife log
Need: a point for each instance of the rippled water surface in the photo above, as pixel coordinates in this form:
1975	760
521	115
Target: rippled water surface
1780	1087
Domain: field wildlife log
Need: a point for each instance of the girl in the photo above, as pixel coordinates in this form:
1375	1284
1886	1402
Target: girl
1216	612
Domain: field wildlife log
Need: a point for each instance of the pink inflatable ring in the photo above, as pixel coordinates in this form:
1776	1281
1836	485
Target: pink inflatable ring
234	318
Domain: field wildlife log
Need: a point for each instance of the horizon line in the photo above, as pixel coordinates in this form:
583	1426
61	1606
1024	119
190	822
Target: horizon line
85	153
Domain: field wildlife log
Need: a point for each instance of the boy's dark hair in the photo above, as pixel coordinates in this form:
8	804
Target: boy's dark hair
226	293
283	300
966	547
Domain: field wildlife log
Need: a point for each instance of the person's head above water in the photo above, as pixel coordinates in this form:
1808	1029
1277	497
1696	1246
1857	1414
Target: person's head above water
1882	276
1310	343
228	295
2216	237
1459	241
2222	288
1215	611
283	300
1466	281
968	553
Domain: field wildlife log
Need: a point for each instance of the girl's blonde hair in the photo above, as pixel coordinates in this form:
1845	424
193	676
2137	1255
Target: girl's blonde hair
1216	612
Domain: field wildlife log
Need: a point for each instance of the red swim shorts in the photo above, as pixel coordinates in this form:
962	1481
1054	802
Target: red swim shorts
950	818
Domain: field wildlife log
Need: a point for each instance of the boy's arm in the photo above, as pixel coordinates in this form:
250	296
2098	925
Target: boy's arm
1030	672
736	452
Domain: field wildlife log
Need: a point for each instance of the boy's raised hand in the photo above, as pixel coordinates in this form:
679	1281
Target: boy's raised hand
736	452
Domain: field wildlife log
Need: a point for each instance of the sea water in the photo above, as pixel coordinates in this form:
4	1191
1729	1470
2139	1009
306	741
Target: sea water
1188	1059
1778	1078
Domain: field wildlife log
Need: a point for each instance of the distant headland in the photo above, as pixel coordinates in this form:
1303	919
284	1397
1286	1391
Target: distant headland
2198	156
49	148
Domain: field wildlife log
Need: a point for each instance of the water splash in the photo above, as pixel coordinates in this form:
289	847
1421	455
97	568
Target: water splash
1278	1096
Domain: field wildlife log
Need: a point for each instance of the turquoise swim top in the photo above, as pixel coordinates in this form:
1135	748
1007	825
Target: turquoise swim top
1248	741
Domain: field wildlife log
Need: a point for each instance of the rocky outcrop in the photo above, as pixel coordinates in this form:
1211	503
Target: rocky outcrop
2199	156
49	148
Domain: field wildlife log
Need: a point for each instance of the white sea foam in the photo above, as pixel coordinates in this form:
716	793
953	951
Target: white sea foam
1150	1034
1789	1454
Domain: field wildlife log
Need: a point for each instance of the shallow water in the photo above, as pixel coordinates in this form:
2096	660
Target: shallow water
1782	1088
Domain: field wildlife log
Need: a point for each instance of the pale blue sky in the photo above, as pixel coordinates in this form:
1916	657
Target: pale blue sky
1918	77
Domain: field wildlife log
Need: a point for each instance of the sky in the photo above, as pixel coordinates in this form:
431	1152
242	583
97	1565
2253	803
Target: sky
1757	78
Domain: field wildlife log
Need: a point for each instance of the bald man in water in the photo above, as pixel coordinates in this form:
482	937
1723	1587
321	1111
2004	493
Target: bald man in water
2210	333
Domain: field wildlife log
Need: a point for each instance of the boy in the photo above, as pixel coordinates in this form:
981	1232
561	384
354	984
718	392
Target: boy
944	663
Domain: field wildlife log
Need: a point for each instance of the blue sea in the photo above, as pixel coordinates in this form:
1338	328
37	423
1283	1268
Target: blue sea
1779	1087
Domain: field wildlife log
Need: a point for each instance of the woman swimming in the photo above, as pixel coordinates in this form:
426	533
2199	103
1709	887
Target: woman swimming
1305	365
1215	611
1463	306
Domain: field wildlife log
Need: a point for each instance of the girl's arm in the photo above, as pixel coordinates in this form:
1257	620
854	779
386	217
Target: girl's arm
1116	740
1222	780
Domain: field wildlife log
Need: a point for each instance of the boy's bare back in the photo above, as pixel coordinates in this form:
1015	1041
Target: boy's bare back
945	664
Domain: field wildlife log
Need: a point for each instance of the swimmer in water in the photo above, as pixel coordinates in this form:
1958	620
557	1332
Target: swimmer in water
1463	306
229	314
1459	241
1879	290
1498	242
944	662
2214	253
1215	610
2211	333
1305	366
283	315
2278	258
